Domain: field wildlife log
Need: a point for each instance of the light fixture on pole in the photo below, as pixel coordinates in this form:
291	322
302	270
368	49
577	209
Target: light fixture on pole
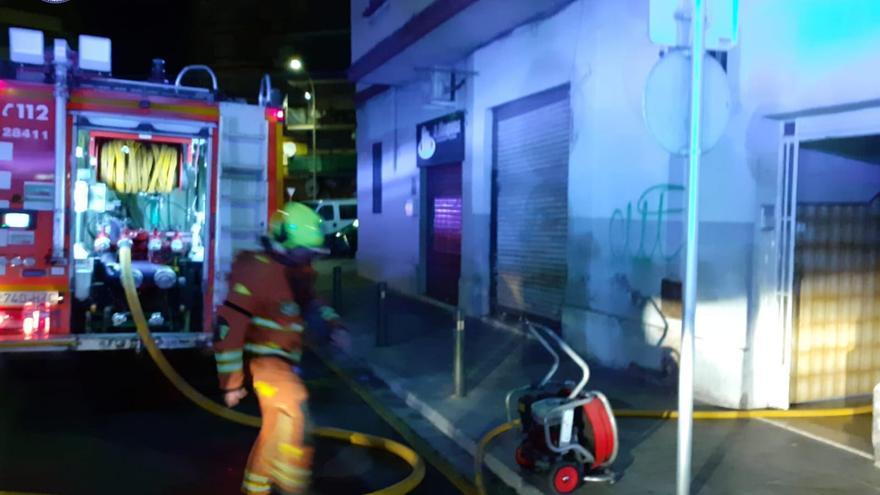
296	65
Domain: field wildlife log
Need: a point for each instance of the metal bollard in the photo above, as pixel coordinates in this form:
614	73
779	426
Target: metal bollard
458	358
337	288
381	316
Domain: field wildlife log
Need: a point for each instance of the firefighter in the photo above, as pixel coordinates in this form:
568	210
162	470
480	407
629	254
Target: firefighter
262	327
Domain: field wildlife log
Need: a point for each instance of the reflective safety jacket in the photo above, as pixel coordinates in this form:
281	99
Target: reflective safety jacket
271	297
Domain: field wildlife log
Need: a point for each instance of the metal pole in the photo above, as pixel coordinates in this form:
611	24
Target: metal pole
381	316
314	137
686	365
337	288
458	357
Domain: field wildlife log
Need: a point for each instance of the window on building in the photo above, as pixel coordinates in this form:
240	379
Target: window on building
377	177
348	212
326	212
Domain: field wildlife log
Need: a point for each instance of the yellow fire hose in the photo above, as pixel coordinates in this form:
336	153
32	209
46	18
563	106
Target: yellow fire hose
667	414
481	452
359	439
754	414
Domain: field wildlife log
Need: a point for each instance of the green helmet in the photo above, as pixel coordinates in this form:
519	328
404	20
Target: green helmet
296	226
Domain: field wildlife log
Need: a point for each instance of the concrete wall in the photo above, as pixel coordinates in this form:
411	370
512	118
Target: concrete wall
618	255
602	51
389	242
366	32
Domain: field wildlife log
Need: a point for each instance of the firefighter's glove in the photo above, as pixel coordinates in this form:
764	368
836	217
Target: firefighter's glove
341	339
233	397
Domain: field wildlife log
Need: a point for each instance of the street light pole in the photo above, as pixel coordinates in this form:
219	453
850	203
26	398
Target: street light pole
296	65
314	101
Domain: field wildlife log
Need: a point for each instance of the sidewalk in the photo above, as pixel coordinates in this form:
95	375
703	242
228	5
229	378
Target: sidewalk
729	457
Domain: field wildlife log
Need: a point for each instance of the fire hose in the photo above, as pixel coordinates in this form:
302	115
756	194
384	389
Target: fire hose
499	430
358	439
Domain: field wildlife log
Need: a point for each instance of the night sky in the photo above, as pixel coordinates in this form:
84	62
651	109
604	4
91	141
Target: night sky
240	39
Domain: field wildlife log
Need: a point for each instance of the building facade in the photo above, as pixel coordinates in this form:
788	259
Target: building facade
556	202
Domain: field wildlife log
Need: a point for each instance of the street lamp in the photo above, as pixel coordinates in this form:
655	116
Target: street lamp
296	65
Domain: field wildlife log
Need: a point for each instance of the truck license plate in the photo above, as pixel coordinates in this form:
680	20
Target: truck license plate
15	299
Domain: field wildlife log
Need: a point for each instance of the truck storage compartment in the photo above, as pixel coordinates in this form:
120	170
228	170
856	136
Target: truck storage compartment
152	190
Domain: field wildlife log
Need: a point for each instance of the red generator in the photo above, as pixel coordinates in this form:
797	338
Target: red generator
87	160
567	432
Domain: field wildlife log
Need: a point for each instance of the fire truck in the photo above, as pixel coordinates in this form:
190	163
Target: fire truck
87	160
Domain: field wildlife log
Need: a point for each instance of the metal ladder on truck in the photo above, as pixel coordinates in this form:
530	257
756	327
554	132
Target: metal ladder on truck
242	202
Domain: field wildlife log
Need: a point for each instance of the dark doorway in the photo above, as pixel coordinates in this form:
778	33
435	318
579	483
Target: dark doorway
444	232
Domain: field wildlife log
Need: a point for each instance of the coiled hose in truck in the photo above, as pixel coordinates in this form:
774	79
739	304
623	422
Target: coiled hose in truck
359	439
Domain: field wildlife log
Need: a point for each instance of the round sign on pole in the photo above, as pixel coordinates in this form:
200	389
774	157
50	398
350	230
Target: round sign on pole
667	102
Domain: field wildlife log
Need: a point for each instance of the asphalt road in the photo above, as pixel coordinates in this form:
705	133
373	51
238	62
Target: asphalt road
109	423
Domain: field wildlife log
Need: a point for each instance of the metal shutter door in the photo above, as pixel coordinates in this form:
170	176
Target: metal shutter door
837	330
531	201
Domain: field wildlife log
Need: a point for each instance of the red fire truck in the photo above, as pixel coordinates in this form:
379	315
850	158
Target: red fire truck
87	160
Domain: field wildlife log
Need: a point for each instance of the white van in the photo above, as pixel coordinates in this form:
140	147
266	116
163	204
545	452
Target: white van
340	223
338	214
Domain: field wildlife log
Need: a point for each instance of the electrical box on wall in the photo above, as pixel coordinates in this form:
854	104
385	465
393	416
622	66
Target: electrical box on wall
667	19
444	86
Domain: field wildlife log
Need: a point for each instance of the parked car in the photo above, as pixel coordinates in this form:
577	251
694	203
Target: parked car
340	224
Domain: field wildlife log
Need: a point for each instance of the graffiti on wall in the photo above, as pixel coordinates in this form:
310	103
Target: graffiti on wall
636	231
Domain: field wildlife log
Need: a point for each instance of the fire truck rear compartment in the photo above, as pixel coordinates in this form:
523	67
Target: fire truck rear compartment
152	189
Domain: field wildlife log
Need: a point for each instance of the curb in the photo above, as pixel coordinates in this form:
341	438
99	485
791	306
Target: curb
424	448
487	320
510	477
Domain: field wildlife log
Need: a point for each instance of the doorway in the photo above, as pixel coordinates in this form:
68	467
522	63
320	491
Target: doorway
836	289
444	203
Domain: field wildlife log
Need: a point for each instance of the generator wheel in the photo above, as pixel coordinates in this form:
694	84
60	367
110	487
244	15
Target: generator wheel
565	478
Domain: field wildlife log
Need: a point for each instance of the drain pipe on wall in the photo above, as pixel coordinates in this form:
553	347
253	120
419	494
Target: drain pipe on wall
875	433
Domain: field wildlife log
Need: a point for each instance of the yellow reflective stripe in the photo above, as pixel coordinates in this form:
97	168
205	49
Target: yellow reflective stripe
294	471
291	450
228	356
228	367
263	322
274	325
256	478
264	389
290	481
262	259
254	488
242	290
264	350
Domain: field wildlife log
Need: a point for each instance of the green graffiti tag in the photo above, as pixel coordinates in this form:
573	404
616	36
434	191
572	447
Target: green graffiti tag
652	206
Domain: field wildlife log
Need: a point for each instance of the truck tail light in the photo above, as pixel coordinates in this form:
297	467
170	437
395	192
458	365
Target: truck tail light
27	326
